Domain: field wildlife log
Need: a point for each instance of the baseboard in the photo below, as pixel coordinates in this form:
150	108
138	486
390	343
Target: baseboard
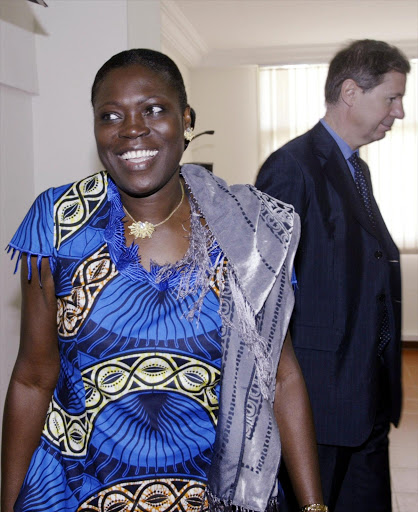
409	343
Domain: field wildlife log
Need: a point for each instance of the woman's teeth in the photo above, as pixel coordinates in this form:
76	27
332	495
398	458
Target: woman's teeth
143	153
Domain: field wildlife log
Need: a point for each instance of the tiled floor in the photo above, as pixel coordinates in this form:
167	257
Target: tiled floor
404	441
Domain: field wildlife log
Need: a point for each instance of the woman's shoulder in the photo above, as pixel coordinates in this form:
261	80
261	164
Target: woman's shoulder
92	186
245	199
198	176
57	213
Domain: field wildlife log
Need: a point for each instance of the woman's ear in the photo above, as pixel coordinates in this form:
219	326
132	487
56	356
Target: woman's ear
187	118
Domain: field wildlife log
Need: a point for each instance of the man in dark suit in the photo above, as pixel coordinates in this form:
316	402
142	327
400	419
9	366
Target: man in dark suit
347	317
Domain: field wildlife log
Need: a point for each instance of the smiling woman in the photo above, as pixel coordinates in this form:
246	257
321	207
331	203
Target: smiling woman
159	339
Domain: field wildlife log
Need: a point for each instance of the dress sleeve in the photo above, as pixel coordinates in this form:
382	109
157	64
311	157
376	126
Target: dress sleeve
35	235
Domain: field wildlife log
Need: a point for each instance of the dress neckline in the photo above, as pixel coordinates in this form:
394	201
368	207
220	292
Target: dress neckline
127	260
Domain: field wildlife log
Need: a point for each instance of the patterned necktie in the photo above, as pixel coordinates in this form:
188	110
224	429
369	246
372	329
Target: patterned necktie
363	189
384	332
361	185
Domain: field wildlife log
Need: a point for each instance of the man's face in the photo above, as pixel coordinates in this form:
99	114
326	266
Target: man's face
374	111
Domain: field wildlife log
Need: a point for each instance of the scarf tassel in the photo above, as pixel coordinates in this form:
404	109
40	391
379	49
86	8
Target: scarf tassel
219	505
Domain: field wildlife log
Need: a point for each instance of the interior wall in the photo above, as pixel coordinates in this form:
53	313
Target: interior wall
18	83
409	270
144	24
182	65
75	41
186	74
225	100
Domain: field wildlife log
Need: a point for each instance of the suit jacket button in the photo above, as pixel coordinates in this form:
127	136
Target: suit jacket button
382	297
378	254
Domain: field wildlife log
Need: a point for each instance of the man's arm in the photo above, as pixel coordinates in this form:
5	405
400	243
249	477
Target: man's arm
294	419
33	380
281	177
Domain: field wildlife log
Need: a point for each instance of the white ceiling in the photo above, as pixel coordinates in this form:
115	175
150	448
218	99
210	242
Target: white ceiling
233	32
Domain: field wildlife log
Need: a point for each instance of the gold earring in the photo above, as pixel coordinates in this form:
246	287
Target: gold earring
188	134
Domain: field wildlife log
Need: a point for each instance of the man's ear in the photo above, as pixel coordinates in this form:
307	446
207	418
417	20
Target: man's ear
349	91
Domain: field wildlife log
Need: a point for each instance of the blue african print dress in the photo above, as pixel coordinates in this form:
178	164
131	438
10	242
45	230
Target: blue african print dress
131	423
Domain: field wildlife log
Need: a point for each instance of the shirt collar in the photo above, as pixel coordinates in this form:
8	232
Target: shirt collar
342	144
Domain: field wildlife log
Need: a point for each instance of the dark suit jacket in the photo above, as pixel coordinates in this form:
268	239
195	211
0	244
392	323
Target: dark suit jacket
347	271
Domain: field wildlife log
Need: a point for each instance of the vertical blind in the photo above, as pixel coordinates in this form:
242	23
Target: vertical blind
291	101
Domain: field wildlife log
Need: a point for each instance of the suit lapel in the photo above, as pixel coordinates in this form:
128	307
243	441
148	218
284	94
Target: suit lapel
337	172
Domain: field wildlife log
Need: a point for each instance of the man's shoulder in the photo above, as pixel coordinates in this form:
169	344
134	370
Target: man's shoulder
296	152
304	150
295	149
307	141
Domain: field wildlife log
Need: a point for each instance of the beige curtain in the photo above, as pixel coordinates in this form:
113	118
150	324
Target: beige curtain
291	101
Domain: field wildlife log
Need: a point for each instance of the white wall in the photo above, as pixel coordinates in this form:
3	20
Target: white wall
182	65
186	74
225	100
18	83
409	269
144	24
79	37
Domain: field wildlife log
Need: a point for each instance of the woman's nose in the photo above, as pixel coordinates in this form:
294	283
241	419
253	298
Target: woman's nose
133	126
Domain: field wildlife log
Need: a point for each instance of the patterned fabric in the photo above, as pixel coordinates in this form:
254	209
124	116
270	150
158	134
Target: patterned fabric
247	270
384	332
131	424
361	185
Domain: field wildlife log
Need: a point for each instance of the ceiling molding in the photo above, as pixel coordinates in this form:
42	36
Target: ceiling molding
181	35
288	54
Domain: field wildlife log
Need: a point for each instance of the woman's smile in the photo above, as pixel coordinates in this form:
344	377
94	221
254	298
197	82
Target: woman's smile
138	159
139	155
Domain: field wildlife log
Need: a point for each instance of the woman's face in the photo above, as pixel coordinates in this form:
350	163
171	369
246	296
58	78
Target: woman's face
139	125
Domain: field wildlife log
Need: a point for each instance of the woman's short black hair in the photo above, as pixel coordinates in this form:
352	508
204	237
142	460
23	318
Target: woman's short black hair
150	59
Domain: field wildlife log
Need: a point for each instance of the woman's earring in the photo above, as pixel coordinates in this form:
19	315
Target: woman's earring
188	134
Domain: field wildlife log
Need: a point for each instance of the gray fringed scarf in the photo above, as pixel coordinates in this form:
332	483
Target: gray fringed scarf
258	236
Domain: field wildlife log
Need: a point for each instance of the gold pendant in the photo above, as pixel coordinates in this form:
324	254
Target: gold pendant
141	229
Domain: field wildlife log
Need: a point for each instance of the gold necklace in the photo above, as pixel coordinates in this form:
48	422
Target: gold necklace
143	229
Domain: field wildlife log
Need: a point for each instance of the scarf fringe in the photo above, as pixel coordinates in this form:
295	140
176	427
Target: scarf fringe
219	505
199	272
247	331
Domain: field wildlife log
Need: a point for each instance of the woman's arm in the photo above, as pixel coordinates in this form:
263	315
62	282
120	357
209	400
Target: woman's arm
32	382
294	418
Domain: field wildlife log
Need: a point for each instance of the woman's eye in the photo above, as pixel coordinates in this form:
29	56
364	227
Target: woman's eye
153	109
110	116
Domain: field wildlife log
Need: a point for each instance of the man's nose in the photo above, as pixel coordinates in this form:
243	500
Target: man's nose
397	110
